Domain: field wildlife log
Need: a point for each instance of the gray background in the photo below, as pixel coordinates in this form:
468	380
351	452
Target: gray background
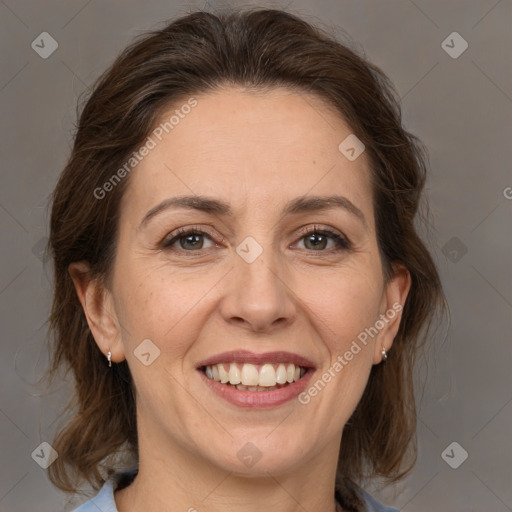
460	107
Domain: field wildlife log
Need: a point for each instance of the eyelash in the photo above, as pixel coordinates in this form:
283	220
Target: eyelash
342	243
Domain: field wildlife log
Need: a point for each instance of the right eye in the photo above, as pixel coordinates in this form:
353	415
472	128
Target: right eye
189	240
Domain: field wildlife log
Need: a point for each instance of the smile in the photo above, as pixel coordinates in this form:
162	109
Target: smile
251	377
250	380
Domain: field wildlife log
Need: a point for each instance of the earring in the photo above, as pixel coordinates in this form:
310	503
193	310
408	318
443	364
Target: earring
384	354
109	357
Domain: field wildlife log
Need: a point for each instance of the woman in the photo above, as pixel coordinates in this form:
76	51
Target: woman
239	286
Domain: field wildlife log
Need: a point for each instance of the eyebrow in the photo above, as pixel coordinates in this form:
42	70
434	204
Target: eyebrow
298	205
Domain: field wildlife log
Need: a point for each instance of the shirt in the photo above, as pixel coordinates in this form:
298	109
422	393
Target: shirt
104	500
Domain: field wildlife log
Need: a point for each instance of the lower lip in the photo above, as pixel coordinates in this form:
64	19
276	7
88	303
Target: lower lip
258	399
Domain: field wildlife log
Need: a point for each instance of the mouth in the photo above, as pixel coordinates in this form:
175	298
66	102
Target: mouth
256	380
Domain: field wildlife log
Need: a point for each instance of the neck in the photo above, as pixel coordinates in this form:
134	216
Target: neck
173	477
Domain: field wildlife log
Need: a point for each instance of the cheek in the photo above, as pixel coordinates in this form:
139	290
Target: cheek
345	301
162	304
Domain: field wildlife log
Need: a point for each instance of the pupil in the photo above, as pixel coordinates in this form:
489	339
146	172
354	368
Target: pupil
320	240
190	239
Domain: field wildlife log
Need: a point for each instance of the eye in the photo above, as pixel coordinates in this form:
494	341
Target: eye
317	240
188	239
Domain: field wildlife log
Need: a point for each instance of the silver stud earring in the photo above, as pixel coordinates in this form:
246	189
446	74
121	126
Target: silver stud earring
109	357
384	354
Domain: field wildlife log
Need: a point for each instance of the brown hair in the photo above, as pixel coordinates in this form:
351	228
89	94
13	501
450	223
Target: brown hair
258	49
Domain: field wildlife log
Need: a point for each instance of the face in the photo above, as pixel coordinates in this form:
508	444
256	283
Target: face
255	270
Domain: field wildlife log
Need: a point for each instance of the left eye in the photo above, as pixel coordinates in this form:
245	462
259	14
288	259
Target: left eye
317	239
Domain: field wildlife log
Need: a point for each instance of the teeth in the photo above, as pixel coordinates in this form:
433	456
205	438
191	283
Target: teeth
281	374
290	372
234	374
253	378
250	375
267	376
223	374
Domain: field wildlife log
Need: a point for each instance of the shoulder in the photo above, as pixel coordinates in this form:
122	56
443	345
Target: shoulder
104	500
372	505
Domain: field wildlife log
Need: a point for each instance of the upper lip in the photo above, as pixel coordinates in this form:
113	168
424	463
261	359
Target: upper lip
245	356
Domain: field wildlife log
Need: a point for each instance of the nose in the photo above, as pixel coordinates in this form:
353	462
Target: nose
258	297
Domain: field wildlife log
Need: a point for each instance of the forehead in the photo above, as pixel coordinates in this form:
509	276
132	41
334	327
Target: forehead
251	149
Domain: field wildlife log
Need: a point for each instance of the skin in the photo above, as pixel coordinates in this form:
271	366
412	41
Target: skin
256	152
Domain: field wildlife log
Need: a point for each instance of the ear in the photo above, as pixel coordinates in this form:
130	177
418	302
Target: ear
98	305
393	300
